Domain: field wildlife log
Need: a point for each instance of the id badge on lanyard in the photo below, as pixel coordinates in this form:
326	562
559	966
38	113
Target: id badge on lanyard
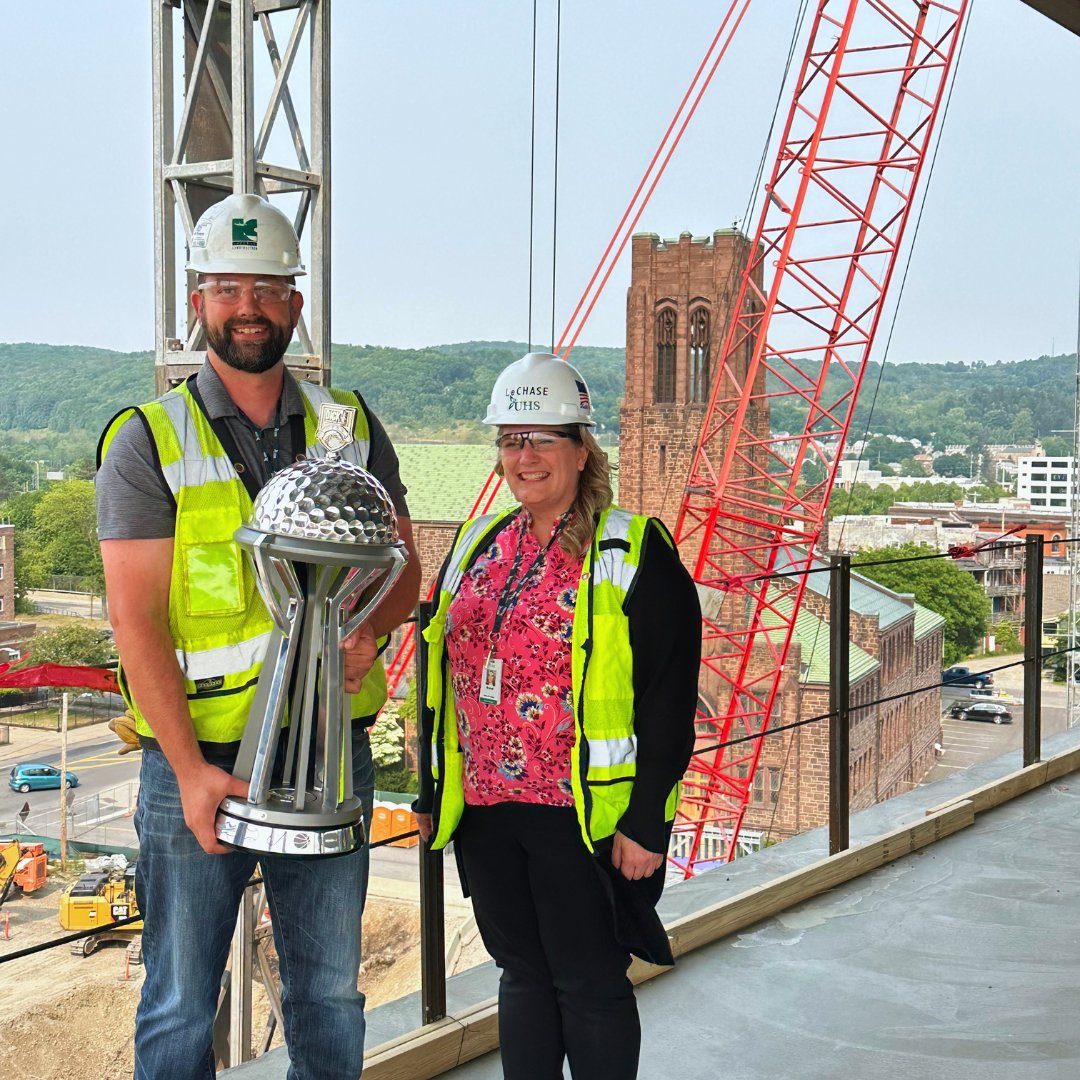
491	681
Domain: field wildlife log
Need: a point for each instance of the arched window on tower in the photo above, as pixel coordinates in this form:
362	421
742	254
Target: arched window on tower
699	354
665	355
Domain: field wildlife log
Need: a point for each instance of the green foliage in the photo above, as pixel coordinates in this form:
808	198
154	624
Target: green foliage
938	584
977	404
952	465
1008	641
396	778
387	737
863	499
72	645
61	536
1057	446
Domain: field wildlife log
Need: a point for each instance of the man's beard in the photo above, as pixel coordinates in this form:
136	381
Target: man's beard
254	358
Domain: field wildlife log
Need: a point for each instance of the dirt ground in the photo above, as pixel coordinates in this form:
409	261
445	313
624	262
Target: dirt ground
64	1015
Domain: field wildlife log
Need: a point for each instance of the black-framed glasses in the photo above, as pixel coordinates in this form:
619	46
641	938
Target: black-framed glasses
538	440
230	292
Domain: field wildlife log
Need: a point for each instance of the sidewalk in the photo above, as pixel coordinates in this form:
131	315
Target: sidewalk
29	743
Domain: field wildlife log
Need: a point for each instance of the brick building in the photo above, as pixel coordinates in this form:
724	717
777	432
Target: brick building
678	308
14	636
895	649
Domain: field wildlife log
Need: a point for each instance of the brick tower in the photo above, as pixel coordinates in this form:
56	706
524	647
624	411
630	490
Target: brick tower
677	312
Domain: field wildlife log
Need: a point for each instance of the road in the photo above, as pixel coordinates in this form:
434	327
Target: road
108	781
83	605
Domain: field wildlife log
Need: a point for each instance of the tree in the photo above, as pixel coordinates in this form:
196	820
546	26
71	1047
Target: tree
952	465
74	646
63	540
938	584
1057	446
387	737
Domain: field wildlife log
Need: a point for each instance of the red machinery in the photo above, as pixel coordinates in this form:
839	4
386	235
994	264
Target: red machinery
856	138
855	142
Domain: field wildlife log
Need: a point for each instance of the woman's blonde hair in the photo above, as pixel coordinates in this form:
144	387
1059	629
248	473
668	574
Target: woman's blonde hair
594	493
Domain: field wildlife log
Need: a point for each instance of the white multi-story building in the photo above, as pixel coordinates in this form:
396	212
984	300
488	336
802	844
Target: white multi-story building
1046	482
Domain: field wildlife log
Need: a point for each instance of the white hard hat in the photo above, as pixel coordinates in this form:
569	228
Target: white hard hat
540	388
244	234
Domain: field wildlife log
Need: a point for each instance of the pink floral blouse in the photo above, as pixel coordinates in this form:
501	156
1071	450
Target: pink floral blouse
519	749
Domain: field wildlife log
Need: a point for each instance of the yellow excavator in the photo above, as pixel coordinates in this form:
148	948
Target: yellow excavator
100	898
23	867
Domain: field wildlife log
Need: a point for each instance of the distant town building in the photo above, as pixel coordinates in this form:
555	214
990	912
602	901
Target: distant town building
997	571
1046	483
14	635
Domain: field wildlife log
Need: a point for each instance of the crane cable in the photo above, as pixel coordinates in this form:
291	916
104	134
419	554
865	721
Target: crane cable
737	267
589	297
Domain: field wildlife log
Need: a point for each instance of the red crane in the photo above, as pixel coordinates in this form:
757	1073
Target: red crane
811	296
856	138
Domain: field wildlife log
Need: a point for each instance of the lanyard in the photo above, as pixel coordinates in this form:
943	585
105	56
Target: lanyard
513	589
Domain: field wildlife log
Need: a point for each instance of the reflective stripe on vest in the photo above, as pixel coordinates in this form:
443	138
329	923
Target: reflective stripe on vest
219	623
604	756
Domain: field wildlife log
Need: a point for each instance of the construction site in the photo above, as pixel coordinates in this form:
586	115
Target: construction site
860	881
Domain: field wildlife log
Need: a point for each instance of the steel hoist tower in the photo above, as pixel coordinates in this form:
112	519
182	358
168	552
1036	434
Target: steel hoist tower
212	138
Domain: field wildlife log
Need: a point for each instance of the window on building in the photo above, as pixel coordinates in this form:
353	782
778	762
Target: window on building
1038	464
1038	489
1038	502
1	605
1058	477
663	459
759	786
774	786
1059	489
699	354
665	355
3	543
1056	548
1057	502
1	571
1059	464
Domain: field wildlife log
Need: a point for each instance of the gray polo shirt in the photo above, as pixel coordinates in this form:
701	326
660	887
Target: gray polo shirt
134	502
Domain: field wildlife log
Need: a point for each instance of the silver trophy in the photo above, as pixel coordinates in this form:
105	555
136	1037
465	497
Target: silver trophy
337	520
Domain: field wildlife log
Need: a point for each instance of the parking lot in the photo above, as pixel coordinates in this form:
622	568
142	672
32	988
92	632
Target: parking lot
965	742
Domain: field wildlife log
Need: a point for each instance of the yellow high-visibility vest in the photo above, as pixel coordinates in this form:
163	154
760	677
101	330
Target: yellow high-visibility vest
603	761
220	626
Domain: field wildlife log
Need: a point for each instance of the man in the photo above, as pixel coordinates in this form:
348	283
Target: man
176	478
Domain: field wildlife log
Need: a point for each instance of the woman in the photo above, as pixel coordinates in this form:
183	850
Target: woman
562	682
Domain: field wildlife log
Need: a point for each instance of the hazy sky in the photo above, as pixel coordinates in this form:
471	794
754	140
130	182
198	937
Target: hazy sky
431	169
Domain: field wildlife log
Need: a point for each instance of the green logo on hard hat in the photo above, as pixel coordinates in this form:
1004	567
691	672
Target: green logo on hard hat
245	233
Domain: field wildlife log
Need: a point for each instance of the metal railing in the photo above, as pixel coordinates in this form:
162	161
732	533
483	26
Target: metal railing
841	717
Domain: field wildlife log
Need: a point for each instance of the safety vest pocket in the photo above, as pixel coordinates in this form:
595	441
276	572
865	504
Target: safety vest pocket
213	578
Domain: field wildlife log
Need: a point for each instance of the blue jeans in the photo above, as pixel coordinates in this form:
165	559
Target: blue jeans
189	902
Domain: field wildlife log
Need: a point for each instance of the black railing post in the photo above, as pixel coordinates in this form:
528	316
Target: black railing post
839	700
1033	591
432	894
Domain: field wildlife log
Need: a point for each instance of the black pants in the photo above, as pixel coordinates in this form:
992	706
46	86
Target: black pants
548	923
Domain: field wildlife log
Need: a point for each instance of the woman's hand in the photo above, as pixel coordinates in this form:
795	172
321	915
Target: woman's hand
424	826
632	859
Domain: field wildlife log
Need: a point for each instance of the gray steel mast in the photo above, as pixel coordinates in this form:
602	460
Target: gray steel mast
212	137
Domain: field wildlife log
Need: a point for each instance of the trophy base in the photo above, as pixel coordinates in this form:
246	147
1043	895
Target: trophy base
267	829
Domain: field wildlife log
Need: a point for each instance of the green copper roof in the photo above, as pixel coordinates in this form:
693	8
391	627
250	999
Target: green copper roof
812	634
444	479
926	621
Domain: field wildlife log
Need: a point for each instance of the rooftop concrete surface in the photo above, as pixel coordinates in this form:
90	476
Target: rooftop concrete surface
958	962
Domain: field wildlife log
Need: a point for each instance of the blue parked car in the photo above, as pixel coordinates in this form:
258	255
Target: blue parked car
33	777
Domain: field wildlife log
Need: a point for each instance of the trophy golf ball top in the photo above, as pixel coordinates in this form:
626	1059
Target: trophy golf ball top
326	499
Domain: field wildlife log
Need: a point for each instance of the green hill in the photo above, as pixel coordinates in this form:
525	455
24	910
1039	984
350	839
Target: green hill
56	398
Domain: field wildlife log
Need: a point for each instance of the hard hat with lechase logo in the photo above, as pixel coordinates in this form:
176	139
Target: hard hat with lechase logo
244	234
540	389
